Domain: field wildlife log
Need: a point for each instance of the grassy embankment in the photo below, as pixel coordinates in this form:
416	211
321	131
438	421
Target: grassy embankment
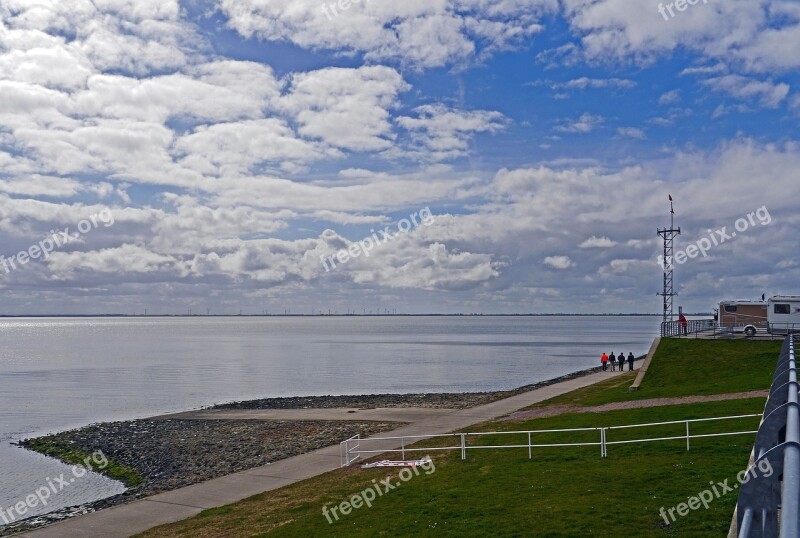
560	492
60	449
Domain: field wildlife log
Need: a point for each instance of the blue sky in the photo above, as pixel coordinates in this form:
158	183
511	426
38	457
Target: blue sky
240	143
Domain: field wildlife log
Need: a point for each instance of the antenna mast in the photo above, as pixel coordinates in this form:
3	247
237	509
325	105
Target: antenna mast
667	262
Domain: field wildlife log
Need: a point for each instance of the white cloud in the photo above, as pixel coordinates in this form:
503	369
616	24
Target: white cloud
631	132
559	262
669	98
704	70
36	185
586	123
767	93
597	242
136	37
125	259
441	133
418	33
346	108
226	149
596	83
618	267
757	36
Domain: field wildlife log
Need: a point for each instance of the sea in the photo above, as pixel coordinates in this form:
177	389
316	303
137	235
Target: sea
58	374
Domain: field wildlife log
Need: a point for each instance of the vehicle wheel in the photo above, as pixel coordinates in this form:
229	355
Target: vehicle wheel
750	331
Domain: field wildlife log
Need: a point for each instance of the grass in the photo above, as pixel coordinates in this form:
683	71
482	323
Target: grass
60	449
560	492
684	367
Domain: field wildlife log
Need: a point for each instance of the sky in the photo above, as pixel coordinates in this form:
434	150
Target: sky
467	156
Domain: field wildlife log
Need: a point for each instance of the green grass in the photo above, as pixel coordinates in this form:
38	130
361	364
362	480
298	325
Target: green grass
60	449
684	367
560	492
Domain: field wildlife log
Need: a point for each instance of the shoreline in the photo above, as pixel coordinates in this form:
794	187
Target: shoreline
171	453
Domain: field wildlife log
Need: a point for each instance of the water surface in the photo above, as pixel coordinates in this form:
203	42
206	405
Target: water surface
61	373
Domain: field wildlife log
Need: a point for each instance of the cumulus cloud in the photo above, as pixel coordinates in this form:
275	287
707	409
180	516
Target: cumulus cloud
756	37
417	33
559	262
670	98
597	242
631	132
766	93
584	124
440	133
136	37
346	108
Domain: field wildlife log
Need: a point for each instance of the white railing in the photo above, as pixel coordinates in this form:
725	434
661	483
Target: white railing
345	450
351	449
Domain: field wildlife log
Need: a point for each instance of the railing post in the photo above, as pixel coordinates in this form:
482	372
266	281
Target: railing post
463	446
687	436
530	448
603	448
403	448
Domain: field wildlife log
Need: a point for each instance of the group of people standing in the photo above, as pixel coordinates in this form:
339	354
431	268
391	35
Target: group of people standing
614	360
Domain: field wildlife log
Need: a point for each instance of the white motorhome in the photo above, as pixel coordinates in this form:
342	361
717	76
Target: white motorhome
746	317
784	314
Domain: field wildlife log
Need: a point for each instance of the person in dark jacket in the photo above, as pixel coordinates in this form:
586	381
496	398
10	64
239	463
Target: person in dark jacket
621	361
630	361
612	359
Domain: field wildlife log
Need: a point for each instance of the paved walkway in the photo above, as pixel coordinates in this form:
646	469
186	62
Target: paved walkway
632	404
139	516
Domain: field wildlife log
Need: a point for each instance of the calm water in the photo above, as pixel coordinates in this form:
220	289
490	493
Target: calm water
57	374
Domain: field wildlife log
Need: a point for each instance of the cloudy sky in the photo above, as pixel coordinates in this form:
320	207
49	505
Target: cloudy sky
240	143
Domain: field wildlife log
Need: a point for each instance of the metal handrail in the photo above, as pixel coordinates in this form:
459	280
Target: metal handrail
693	326
603	443
769	506
783	328
790	495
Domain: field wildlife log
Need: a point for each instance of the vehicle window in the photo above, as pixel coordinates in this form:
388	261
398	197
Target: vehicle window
783	309
731	308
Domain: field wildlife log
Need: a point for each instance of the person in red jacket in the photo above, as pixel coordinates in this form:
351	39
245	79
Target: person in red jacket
604	361
684	324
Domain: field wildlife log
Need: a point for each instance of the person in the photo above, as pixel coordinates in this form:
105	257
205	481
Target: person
621	361
684	324
604	361
630	361
613	359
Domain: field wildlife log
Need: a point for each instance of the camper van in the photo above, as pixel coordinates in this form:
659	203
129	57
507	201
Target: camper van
784	314
746	317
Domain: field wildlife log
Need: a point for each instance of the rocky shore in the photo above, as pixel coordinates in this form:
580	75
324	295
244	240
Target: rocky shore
172	453
448	400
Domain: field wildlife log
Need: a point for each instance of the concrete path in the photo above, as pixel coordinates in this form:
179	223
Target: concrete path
139	516
632	404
